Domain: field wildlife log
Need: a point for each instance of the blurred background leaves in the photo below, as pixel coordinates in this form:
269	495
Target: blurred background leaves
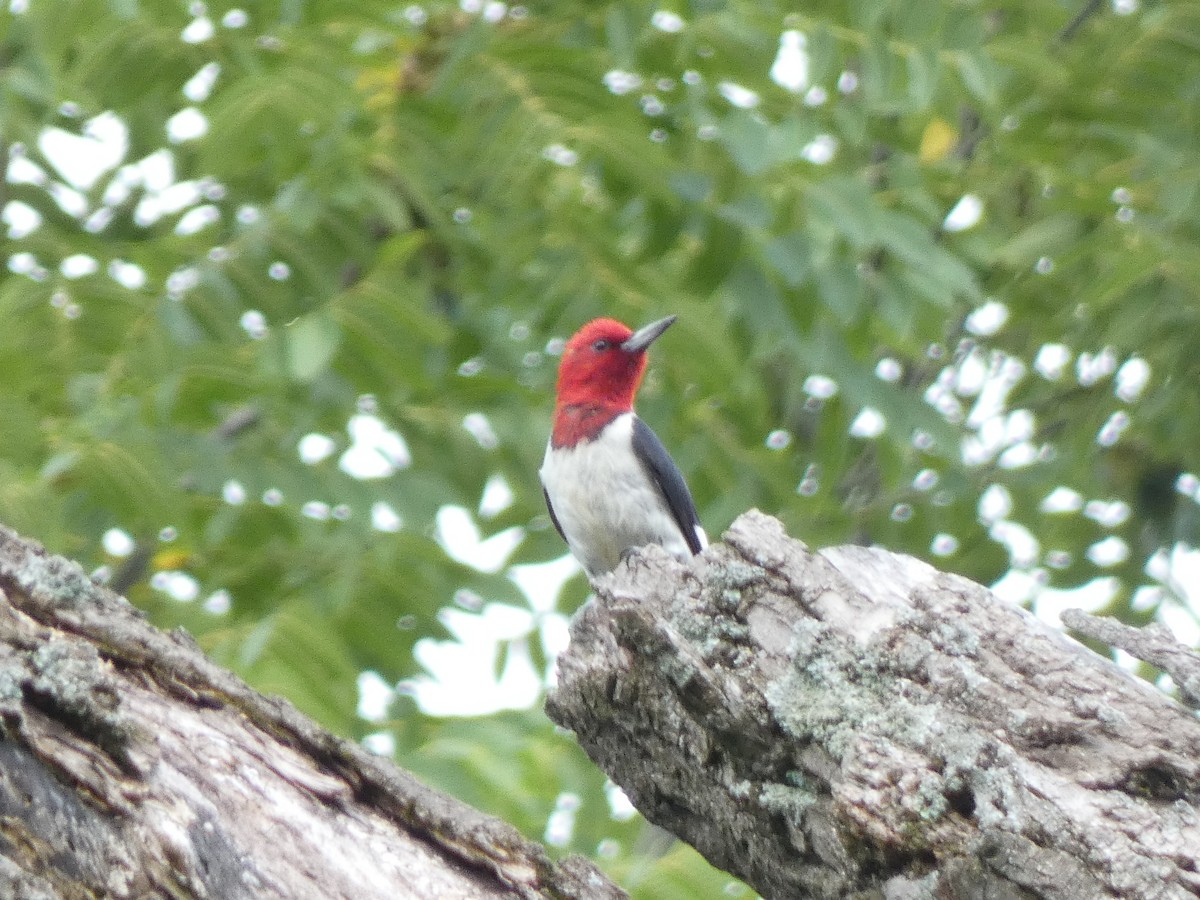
285	284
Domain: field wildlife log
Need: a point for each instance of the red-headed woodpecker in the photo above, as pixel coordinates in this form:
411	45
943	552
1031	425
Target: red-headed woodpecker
610	485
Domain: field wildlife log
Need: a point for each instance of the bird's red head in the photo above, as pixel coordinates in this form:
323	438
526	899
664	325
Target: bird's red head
601	369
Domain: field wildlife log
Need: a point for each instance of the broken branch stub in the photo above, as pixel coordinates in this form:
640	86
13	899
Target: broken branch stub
827	723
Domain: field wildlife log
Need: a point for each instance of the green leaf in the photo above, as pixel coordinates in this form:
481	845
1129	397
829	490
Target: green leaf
311	342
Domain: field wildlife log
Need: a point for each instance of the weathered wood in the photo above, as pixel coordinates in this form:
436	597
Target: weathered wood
1153	644
132	766
854	723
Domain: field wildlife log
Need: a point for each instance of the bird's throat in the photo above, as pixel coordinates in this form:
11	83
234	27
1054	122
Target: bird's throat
578	423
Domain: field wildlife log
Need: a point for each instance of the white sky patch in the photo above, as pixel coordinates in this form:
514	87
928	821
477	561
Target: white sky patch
167	201
197	219
478	426
1110	432
385	518
69	200
987	319
21	170
560	155
925	480
1090	597
1179	570
737	95
820	386
82	158
1090	368
199	30
127	274
1062	500
461	672
254	323
156	171
1181	622
117	542
200	85
1018	456
1109	551
78	265
820	150
1052	361
889	370
619	805
869	423
98	220
982	447
555	631
380	743
560	825
1109	513
790	69
186	125
1018	586
233	493
179	586
1019	426
219	602
943	544
315	447
1004	372
621	82
778	439
995	503
374	696
497	497
542	582
1189	485
1023	548
23	263
460	538
376	451
965	214
21	218
665	20
1132	378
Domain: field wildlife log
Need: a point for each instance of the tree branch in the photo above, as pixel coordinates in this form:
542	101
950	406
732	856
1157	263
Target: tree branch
131	765
855	723
1153	644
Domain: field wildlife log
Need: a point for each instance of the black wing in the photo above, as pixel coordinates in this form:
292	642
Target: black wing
666	475
553	517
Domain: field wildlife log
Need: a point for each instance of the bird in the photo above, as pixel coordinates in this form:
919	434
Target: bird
609	483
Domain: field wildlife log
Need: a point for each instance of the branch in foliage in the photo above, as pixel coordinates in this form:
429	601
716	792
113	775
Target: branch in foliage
1153	644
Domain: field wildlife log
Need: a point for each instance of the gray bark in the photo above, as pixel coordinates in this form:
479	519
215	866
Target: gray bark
854	723
131	766
1153	644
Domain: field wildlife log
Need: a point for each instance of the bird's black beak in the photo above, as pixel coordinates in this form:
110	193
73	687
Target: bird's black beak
644	337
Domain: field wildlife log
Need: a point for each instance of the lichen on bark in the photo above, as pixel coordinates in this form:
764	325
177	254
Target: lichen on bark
855	723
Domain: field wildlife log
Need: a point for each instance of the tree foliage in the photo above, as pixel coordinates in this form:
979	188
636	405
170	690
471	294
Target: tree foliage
319	211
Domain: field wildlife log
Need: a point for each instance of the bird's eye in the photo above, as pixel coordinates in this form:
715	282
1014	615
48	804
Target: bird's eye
601	345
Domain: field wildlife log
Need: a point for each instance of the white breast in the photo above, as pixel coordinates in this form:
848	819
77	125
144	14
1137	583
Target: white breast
605	502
